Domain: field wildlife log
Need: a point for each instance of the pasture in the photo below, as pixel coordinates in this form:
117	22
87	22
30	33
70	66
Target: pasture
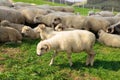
20	62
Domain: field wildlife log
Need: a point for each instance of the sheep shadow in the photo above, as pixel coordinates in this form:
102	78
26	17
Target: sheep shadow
109	65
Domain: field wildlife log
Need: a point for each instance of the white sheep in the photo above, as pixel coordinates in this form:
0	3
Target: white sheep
109	39
69	41
45	32
30	33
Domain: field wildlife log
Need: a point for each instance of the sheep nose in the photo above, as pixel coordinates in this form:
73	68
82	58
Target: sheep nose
23	34
39	54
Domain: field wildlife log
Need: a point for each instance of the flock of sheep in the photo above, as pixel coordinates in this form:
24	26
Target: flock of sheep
59	28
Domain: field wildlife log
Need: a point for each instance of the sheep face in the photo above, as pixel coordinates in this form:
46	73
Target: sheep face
27	31
56	21
38	18
42	48
59	27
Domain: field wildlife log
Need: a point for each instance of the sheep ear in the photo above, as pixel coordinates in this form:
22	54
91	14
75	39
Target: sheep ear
42	26
47	47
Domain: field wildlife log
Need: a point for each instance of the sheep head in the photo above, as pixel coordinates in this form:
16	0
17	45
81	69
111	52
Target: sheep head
42	48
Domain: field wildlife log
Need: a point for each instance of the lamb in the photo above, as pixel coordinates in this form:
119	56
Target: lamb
11	15
13	25
109	39
69	41
8	34
114	29
30	33
45	32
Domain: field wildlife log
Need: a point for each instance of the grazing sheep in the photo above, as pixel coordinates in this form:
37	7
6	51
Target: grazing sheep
8	3
30	33
109	39
69	41
8	34
114	29
11	15
70	21
94	24
13	25
49	18
105	13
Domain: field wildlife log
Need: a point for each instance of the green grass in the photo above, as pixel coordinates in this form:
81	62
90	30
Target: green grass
20	62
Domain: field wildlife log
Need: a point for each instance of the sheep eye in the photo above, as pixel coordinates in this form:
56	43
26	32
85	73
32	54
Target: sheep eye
27	30
42	48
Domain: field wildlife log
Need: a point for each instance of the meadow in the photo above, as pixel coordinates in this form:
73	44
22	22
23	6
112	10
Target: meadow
20	62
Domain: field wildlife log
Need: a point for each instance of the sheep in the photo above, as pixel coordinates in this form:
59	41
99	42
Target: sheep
61	27
30	33
30	12
11	15
105	13
45	32
94	24
114	29
8	34
69	41
13	25
8	3
109	39
49	18
70	21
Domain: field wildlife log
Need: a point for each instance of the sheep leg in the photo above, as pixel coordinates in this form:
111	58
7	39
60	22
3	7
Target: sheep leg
69	58
92	55
90	58
53	56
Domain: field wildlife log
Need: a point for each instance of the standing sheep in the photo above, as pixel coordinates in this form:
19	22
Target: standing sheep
109	39
69	41
8	34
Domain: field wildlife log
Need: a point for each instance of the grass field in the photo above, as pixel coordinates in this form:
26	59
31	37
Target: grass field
20	62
